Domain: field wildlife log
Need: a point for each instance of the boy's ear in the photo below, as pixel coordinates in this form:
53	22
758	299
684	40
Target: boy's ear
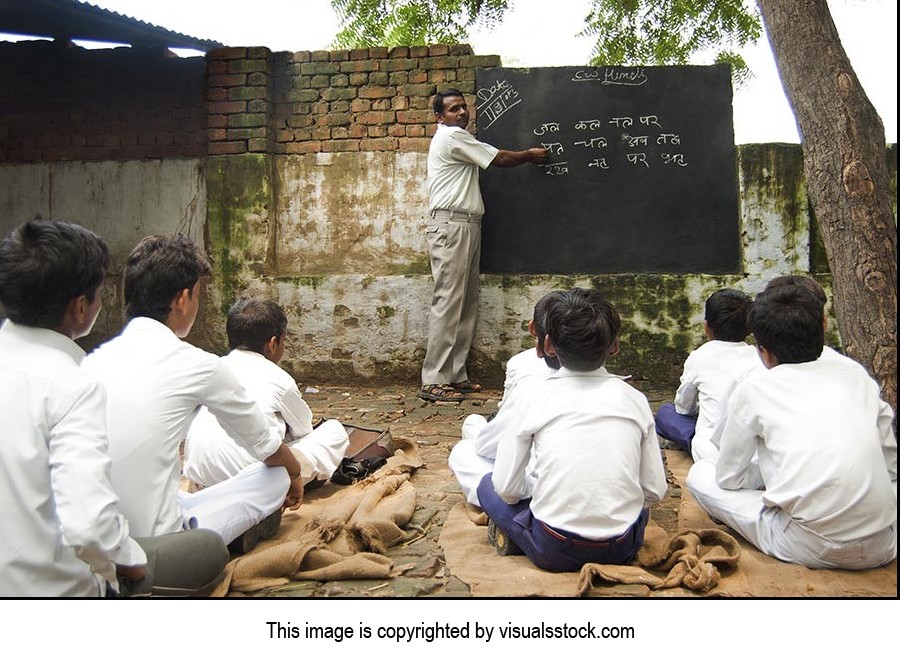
549	350
270	348
180	301
707	331
531	329
614	349
768	359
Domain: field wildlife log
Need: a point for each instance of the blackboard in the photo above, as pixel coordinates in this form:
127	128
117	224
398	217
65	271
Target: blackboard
641	175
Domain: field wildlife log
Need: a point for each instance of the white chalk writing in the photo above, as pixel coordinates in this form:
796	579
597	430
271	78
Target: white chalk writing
495	101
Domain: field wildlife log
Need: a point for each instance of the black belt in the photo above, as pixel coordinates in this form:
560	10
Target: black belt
586	543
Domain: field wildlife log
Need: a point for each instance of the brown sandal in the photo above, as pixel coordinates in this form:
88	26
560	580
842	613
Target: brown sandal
467	387
440	392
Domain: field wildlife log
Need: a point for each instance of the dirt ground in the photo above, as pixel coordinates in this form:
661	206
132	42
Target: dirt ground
435	428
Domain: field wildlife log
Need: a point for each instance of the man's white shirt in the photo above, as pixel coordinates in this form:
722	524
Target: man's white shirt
454	158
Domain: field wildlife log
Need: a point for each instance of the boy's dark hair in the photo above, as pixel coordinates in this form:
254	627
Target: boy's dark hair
808	283
787	321
726	314
158	269
583	327
46	264
437	103
252	322
540	322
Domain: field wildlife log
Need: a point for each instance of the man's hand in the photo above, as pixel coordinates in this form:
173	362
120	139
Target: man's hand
294	494
131	572
537	154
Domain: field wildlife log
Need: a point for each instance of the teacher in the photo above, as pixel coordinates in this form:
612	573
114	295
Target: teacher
453	235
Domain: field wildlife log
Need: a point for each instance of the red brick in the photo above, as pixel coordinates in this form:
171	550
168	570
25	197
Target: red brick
227	53
217	121
217	94
378	53
359	53
377	92
303	147
222	148
418	77
414	116
413	144
228	80
376	118
319	56
414	131
398	51
340	146
382	144
227	107
259	145
378	131
437	50
398	131
216	66
418	51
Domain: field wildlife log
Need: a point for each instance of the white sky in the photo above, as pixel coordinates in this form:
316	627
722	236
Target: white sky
542	33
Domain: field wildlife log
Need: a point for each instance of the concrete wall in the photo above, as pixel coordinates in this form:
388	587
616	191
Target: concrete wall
309	188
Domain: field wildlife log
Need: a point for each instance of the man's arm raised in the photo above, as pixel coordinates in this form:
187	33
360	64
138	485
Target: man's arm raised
515	158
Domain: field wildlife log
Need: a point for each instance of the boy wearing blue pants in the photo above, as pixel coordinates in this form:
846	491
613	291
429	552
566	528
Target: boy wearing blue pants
593	450
710	374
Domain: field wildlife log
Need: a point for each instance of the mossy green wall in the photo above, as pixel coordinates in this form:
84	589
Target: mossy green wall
337	240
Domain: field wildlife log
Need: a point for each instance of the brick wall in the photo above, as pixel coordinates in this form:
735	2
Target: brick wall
67	103
369	99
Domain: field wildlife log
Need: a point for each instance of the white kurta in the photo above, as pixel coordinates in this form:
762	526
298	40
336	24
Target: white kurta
710	374
211	455
454	158
523	365
596	457
62	530
155	383
827	452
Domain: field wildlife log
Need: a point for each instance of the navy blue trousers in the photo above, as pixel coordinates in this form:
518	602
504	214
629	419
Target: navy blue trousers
551	549
675	427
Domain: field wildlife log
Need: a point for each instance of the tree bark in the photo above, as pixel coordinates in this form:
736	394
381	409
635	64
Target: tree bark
844	155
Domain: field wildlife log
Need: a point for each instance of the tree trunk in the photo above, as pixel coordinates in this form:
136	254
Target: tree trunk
844	155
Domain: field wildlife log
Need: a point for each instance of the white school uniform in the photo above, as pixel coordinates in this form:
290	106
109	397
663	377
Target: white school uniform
596	458
473	456
710	373
827	460
155	384
63	533
211	455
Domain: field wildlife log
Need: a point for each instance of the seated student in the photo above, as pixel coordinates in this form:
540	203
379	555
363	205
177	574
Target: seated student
816	289
256	334
155	384
473	456
710	373
63	533
827	451
596	459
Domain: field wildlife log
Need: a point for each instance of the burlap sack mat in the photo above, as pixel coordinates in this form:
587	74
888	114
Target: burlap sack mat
676	566
338	532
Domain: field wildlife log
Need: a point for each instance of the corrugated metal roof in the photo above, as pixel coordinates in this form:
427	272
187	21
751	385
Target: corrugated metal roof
70	19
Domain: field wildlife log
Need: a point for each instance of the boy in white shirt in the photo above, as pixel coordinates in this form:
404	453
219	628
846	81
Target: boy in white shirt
155	384
63	533
827	451
593	449
256	333
710	373
473	456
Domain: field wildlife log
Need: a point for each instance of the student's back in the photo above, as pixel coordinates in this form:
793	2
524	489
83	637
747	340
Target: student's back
822	460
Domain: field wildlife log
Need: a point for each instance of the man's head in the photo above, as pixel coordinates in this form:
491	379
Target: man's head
257	325
786	322
582	329
450	108
808	283
537	326
50	276
726	315
161	281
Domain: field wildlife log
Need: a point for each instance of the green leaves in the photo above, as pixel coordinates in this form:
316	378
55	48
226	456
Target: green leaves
370	23
627	32
658	32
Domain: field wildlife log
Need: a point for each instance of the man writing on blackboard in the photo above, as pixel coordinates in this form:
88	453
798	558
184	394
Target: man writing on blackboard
453	234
